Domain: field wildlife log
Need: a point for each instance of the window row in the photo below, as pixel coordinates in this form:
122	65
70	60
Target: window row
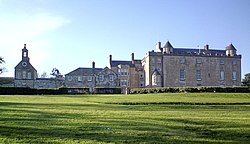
199	75
24	75
101	78
90	78
123	72
222	75
124	83
199	61
158	60
155	68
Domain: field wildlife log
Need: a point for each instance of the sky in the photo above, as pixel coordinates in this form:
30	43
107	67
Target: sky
67	34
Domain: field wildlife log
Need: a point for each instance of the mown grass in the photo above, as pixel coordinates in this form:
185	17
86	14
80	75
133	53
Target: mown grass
150	118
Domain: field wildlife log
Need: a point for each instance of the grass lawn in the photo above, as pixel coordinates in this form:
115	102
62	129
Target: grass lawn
149	118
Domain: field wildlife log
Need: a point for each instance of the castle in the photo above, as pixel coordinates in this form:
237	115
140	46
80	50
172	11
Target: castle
163	67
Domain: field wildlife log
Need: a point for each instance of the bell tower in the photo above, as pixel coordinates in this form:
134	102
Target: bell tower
25	52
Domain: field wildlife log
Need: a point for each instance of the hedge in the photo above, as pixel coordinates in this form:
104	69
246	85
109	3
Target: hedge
62	90
189	89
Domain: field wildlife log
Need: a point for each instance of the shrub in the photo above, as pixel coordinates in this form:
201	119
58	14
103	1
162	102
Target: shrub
190	89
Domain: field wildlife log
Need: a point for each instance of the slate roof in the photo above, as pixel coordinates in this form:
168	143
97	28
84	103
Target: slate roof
156	72
188	51
230	47
84	71
115	63
168	45
19	65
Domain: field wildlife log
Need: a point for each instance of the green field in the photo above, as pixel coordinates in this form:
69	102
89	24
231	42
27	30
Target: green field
150	118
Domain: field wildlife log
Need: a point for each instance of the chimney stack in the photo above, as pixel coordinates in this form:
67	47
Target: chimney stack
110	60
158	47
93	65
132	57
206	47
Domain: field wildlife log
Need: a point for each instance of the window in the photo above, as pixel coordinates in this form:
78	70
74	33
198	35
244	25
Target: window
152	68
234	62
182	74
111	78
198	74
155	79
234	76
19	75
124	82
25	54
159	69
182	61
69	78
119	71
89	78
123	72
222	61
198	61
101	77
153	60
29	75
24	74
159	60
222	75
141	76
79	78
142	84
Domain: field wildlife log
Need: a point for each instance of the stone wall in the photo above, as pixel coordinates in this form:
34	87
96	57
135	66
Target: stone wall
209	67
48	83
40	83
80	81
109	79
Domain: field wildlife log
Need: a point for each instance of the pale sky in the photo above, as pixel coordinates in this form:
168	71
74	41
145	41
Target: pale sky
67	34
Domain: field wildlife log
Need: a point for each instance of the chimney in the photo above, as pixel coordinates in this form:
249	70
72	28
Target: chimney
132	57
110	60
158	47
206	47
93	65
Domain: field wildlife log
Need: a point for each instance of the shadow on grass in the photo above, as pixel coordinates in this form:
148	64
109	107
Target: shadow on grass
29	122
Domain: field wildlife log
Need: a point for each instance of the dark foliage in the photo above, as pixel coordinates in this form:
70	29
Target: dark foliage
190	89
246	80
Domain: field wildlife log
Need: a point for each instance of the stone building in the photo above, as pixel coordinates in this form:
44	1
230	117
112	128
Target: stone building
184	67
130	73
26	75
92	78
163	67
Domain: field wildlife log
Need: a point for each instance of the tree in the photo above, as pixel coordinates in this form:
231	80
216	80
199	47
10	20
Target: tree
44	75
246	80
1	62
56	73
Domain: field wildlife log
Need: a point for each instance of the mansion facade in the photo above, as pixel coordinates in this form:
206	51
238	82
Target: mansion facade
165	66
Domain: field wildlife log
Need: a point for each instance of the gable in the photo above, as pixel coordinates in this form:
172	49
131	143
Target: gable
107	71
25	65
